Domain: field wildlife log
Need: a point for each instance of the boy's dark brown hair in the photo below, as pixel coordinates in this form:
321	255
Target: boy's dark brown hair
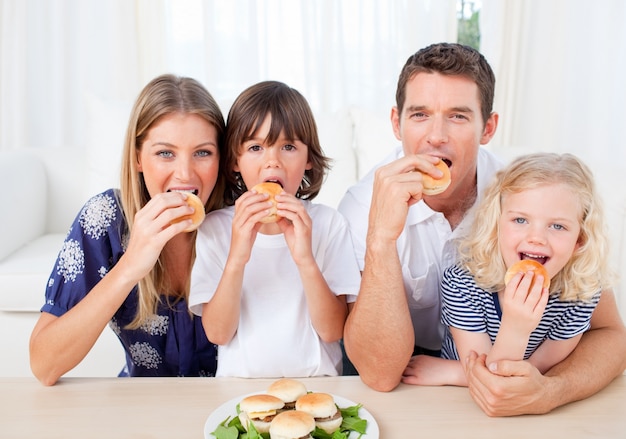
291	115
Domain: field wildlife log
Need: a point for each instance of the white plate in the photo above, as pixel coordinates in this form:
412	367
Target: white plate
229	408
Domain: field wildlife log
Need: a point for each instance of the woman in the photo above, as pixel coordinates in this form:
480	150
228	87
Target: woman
123	262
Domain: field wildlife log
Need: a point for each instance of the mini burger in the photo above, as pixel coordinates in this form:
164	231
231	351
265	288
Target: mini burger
198	212
288	390
435	186
292	424
260	410
323	409
272	189
524	266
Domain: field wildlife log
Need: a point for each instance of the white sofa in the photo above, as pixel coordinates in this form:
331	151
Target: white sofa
45	188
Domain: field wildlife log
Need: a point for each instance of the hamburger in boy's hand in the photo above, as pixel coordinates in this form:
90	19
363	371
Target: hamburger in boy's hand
272	189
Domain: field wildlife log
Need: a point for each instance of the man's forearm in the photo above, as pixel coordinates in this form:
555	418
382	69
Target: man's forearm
597	360
379	337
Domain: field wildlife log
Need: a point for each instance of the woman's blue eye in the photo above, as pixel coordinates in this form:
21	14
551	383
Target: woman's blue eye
204	153
165	154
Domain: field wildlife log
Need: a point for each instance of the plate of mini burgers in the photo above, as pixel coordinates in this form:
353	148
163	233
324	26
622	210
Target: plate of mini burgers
288	410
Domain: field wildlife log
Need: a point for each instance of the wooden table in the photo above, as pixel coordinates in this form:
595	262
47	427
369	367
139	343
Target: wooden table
178	408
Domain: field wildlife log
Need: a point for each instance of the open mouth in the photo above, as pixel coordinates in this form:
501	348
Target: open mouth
537	258
278	182
447	162
191	191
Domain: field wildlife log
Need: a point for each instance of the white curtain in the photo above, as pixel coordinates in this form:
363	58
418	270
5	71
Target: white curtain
336	53
58	57
560	75
53	53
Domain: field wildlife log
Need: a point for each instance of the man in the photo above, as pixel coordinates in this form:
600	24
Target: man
444	112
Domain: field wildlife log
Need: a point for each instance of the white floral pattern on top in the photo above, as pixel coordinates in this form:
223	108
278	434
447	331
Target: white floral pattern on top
115	327
71	261
156	325
97	215
145	355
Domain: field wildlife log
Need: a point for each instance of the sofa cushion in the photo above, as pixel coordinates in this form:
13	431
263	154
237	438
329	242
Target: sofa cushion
24	274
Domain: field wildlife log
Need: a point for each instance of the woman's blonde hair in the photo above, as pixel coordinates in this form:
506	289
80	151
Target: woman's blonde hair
164	95
587	271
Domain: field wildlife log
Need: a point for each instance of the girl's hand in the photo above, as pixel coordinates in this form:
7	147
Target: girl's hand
523	303
152	229
297	226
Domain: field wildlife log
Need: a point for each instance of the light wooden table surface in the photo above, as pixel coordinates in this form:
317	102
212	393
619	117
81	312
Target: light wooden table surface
179	407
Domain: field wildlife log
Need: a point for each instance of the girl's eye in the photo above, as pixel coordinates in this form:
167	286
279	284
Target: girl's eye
519	220
254	148
558	226
289	147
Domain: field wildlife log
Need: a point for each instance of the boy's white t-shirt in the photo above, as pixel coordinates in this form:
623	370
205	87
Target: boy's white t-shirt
275	336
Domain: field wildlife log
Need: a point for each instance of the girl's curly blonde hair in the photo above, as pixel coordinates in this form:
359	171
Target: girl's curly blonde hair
587	271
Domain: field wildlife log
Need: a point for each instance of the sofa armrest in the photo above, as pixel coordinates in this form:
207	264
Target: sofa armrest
23	200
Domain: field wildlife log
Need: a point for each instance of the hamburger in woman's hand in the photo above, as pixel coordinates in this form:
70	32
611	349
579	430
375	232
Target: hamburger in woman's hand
198	212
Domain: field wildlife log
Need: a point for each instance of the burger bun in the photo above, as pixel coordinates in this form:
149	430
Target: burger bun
524	266
272	189
292	424
198	212
260	410
287	389
323	409
435	186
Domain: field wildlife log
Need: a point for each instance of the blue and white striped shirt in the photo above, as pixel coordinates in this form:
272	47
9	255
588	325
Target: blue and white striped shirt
467	306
